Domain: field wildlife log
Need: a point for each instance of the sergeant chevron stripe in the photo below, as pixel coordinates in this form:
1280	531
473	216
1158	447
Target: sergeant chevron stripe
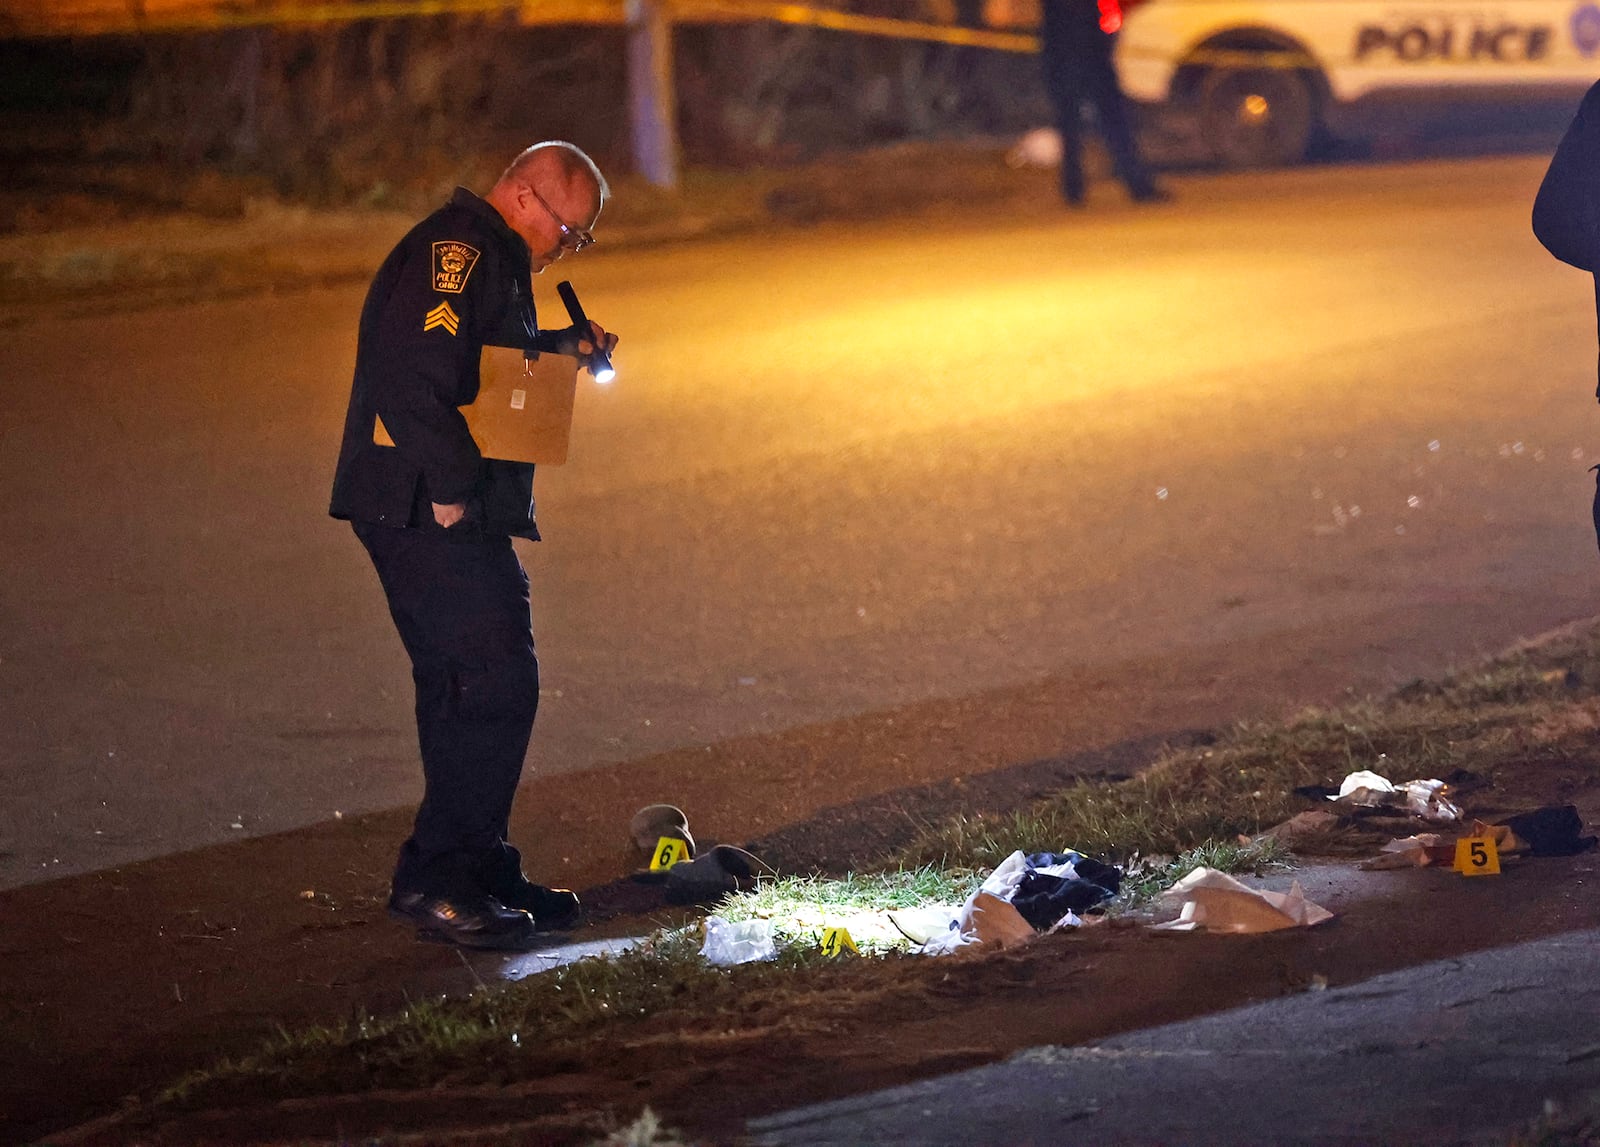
442	316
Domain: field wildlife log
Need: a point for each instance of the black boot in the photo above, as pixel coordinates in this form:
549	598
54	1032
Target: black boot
474	921
552	909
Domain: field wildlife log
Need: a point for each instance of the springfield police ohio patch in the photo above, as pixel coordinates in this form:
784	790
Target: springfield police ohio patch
452	263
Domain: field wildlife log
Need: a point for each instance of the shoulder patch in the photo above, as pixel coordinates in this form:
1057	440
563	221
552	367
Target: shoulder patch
452	263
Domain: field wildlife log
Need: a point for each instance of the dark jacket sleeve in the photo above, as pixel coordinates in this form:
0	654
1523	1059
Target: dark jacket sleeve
425	354
563	340
1566	212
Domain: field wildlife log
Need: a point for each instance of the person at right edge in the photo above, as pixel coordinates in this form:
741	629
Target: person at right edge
1566	212
1076	42
437	519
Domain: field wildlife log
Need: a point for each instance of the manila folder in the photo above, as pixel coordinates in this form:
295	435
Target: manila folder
523	412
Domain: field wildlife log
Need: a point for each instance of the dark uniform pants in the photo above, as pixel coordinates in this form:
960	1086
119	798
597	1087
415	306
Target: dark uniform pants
1091	78
461	606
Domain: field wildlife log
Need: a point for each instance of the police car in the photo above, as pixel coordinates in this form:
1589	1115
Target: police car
1262	78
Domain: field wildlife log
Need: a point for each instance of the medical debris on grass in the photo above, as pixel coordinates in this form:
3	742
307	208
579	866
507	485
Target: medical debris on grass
1024	897
1217	902
1423	798
1028	895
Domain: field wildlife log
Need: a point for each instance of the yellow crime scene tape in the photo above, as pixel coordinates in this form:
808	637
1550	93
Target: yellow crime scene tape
36	18
835	20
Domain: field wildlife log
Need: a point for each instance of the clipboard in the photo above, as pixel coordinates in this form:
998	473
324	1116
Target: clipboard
523	412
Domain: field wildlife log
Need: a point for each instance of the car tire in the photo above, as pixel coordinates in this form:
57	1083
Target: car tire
1257	117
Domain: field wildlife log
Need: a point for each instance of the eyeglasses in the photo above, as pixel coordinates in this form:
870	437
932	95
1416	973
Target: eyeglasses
572	239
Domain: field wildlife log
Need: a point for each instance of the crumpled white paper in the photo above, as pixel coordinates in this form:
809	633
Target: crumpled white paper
1423	798
988	916
920	925
1217	902
1408	852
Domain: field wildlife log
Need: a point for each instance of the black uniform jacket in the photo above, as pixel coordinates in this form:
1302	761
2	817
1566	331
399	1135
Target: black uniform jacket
1566	213
1070	29
461	279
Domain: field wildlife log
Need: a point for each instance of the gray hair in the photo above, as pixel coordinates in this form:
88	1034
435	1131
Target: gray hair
569	159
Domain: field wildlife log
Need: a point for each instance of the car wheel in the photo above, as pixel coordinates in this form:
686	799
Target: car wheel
1256	117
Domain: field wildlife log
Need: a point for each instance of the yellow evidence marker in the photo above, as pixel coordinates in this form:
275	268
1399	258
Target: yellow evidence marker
669	851
1477	856
836	941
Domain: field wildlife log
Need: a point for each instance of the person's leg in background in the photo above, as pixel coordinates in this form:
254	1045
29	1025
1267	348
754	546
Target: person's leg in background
1111	108
1068	105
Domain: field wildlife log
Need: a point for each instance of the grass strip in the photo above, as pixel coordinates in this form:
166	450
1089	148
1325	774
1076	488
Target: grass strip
1534	706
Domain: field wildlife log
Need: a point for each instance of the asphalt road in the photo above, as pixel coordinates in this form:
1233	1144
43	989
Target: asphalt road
1472	1050
842	469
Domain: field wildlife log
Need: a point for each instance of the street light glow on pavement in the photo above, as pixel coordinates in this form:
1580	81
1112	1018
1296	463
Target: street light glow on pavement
859	471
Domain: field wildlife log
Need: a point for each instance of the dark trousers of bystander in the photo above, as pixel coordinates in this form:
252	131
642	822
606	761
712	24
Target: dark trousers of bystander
461	606
1078	79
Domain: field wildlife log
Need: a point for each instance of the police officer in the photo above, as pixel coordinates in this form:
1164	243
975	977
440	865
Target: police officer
1566	213
1076	42
437	520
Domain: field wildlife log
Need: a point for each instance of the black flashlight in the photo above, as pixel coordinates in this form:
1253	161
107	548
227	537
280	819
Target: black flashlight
599	362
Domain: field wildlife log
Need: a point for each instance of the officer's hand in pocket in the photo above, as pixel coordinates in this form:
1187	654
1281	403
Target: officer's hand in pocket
449	513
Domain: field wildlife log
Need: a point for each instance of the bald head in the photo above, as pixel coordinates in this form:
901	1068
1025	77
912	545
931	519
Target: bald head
549	194
558	164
